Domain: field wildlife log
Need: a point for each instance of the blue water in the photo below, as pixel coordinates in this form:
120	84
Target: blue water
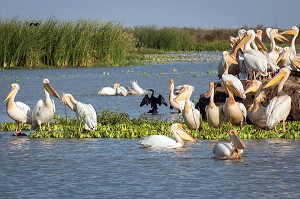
120	168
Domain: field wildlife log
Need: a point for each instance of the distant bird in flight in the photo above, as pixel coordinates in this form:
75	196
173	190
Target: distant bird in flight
153	101
34	24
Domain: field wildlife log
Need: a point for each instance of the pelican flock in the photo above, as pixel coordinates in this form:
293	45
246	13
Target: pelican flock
248	57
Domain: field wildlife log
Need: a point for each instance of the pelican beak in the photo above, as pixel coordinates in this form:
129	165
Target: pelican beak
280	37
281	56
252	88
184	134
51	90
234	90
289	32
260	43
184	93
10	93
67	101
236	141
230	59
171	84
240	44
296	63
282	73
211	89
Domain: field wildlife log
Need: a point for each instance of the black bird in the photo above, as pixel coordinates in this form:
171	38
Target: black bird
153	101
34	24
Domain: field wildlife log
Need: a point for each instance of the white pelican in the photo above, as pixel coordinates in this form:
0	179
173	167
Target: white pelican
232	150
228	77
255	61
162	141
190	114
18	111
82	110
280	106
176	105
43	111
235	112
136	89
116	90
214	114
293	31
256	112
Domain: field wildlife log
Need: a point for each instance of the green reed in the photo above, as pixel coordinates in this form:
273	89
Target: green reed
57	43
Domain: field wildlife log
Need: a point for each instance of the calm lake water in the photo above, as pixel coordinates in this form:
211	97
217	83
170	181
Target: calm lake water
120	168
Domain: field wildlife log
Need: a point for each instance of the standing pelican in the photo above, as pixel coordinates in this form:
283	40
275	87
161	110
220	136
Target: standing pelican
177	105
280	106
235	112
214	114
162	141
190	114
18	111
256	112
232	150
82	110
43	111
255	61
228	77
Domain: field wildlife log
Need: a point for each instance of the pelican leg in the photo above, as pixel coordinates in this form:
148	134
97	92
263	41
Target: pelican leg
283	126
49	128
230	125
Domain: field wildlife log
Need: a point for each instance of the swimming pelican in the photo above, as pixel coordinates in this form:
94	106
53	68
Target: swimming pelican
214	114
162	141
43	112
109	90
235	112
177	105
18	111
153	101
232	150
82	110
280	106
255	61
228	77
256	112
137	90
190	114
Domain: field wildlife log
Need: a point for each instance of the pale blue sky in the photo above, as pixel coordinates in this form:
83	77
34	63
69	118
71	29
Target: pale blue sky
179	13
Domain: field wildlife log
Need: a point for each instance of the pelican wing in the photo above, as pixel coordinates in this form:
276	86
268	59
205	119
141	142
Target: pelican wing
243	109
277	110
137	88
256	60
107	91
88	113
158	141
36	114
24	108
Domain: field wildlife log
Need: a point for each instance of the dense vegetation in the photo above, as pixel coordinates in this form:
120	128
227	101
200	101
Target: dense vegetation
92	43
119	125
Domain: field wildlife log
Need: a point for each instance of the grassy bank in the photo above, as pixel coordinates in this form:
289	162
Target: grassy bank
119	125
84	43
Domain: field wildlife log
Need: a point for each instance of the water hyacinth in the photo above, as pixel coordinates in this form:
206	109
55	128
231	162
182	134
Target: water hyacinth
119	125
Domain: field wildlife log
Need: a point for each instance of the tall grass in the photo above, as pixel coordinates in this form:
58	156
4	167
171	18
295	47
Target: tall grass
56	43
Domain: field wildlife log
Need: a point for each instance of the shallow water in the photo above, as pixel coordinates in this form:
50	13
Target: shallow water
120	168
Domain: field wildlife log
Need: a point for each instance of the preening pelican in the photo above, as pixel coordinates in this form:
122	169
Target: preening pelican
136	89
43	111
116	90
280	106
232	150
190	114
162	141
235	112
214	114
82	110
255	61
18	111
176	105
256	112
153	101
228	77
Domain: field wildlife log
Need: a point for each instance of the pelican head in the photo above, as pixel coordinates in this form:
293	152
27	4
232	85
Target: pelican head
177	128
116	85
66	100
236	140
171	84
50	89
259	34
292	31
228	58
211	89
255	85
241	33
229	84
185	93
14	89
278	36
282	73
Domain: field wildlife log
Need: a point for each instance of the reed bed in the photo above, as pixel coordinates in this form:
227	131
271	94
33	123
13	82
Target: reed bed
56	43
119	125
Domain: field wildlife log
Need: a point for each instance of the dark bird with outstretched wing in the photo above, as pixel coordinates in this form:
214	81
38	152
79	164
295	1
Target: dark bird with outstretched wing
153	101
